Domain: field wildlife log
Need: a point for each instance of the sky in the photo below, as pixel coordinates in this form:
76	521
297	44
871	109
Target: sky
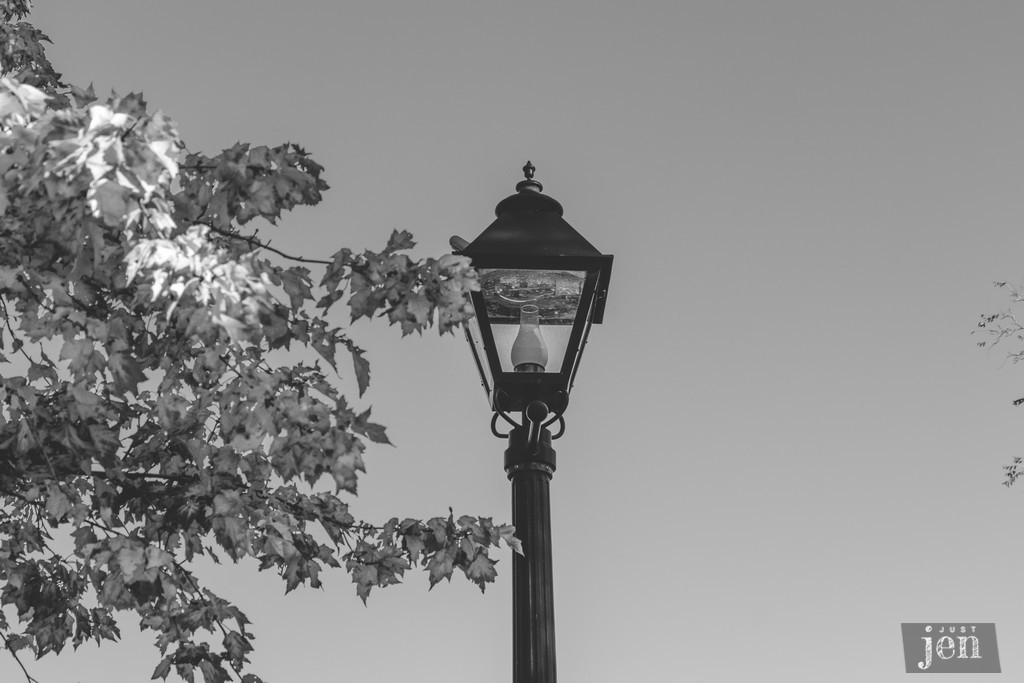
782	442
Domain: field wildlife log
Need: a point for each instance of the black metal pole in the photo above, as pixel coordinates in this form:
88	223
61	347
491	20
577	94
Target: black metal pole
530	463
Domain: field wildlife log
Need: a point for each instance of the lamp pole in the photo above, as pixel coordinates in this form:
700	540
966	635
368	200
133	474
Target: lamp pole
530	464
542	286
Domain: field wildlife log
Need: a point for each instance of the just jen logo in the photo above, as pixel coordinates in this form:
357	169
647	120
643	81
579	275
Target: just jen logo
951	647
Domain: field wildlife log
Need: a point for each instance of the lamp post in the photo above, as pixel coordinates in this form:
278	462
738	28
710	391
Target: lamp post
542	286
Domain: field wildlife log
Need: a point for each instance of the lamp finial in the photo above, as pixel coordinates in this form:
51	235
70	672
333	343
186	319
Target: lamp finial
529	183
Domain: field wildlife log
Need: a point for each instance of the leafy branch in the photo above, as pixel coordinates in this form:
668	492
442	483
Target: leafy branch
1002	328
167	428
261	245
14	653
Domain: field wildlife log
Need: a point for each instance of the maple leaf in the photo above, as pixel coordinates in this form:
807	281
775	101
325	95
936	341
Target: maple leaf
105	441
109	202
126	371
481	570
131	560
441	565
83	357
233	536
213	672
507	533
162	669
365	578
296	285
157	557
40	371
294	574
57	503
227	503
336	272
361	367
374	432
398	241
236	646
414	545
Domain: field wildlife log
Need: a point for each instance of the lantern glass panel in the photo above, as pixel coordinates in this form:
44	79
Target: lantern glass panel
476	343
531	314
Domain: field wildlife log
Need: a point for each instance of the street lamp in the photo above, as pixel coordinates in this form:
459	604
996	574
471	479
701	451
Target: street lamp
542	286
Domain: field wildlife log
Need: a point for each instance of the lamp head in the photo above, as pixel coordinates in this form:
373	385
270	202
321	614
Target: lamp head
542	285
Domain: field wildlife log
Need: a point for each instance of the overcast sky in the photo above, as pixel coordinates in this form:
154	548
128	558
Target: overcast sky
783	441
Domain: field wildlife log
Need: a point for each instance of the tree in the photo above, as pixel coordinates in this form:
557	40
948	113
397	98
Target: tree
145	419
1004	327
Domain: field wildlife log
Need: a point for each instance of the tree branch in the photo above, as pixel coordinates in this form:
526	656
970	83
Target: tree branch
220	624
143	475
14	654
42	448
53	311
14	337
261	245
